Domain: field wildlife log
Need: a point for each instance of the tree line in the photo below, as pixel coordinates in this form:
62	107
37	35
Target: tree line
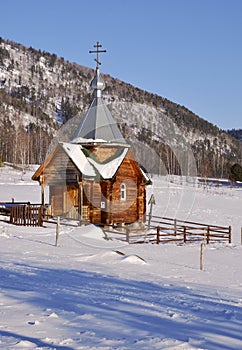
26	90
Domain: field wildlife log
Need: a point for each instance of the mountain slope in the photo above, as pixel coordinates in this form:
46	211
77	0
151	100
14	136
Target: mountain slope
40	91
237	133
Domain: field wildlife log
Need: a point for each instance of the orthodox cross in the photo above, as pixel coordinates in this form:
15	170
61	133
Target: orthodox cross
97	51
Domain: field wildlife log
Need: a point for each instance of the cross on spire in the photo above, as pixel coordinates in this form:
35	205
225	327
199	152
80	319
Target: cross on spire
97	51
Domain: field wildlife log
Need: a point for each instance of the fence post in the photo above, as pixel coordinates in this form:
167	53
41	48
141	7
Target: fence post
57	231
27	215
40	215
22	213
11	216
230	230
127	234
208	235
201	256
175	227
185	234
205	235
158	235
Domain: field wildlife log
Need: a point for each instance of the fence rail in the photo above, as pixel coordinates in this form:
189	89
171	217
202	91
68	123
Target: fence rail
5	207
164	230
158	230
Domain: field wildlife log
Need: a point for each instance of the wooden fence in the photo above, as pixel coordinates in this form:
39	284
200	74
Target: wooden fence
164	230
26	215
158	230
5	207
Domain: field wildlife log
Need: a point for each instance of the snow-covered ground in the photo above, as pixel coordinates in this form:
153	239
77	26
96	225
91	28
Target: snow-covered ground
84	294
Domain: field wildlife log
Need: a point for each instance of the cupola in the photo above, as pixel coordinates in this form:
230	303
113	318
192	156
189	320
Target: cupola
98	124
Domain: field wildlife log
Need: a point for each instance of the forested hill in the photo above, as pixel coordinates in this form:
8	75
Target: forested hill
237	133
40	91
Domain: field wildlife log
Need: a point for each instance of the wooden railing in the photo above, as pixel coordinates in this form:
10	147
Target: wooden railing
26	215
164	230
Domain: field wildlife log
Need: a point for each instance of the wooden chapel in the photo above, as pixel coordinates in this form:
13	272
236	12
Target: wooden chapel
94	177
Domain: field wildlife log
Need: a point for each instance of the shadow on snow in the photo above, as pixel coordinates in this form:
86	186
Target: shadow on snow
123	309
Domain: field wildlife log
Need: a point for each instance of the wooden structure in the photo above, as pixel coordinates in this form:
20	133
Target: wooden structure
94	177
5	207
26	215
107	186
167	230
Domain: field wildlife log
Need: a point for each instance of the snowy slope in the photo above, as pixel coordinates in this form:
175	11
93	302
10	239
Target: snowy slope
40	91
85	294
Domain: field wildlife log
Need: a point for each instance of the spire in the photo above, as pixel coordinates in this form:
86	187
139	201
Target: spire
97	51
98	122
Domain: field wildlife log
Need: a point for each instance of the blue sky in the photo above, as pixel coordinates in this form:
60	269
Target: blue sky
189	51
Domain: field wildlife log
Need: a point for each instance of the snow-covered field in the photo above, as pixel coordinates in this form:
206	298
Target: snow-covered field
83	294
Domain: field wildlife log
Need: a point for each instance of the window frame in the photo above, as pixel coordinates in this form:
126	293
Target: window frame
123	192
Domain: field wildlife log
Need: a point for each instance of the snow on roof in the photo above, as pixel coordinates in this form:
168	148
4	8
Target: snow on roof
82	140
74	151
108	170
88	165
148	180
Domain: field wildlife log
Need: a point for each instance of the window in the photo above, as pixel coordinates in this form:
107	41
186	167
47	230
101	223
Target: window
123	192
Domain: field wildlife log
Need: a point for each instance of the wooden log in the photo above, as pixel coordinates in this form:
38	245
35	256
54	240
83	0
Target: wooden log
57	231
230	231
24	214
185	234
158	235
41	215
201	256
208	234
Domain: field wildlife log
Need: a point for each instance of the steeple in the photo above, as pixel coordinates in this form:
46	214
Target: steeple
98	123
97	84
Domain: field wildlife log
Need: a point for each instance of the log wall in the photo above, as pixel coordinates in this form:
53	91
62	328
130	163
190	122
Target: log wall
69	191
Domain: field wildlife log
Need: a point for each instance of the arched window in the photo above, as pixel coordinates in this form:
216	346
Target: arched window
123	192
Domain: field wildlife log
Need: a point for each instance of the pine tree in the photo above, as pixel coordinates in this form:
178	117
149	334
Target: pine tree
236	172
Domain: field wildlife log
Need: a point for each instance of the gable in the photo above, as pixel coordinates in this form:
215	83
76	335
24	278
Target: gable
57	169
108	169
69	159
65	159
40	171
